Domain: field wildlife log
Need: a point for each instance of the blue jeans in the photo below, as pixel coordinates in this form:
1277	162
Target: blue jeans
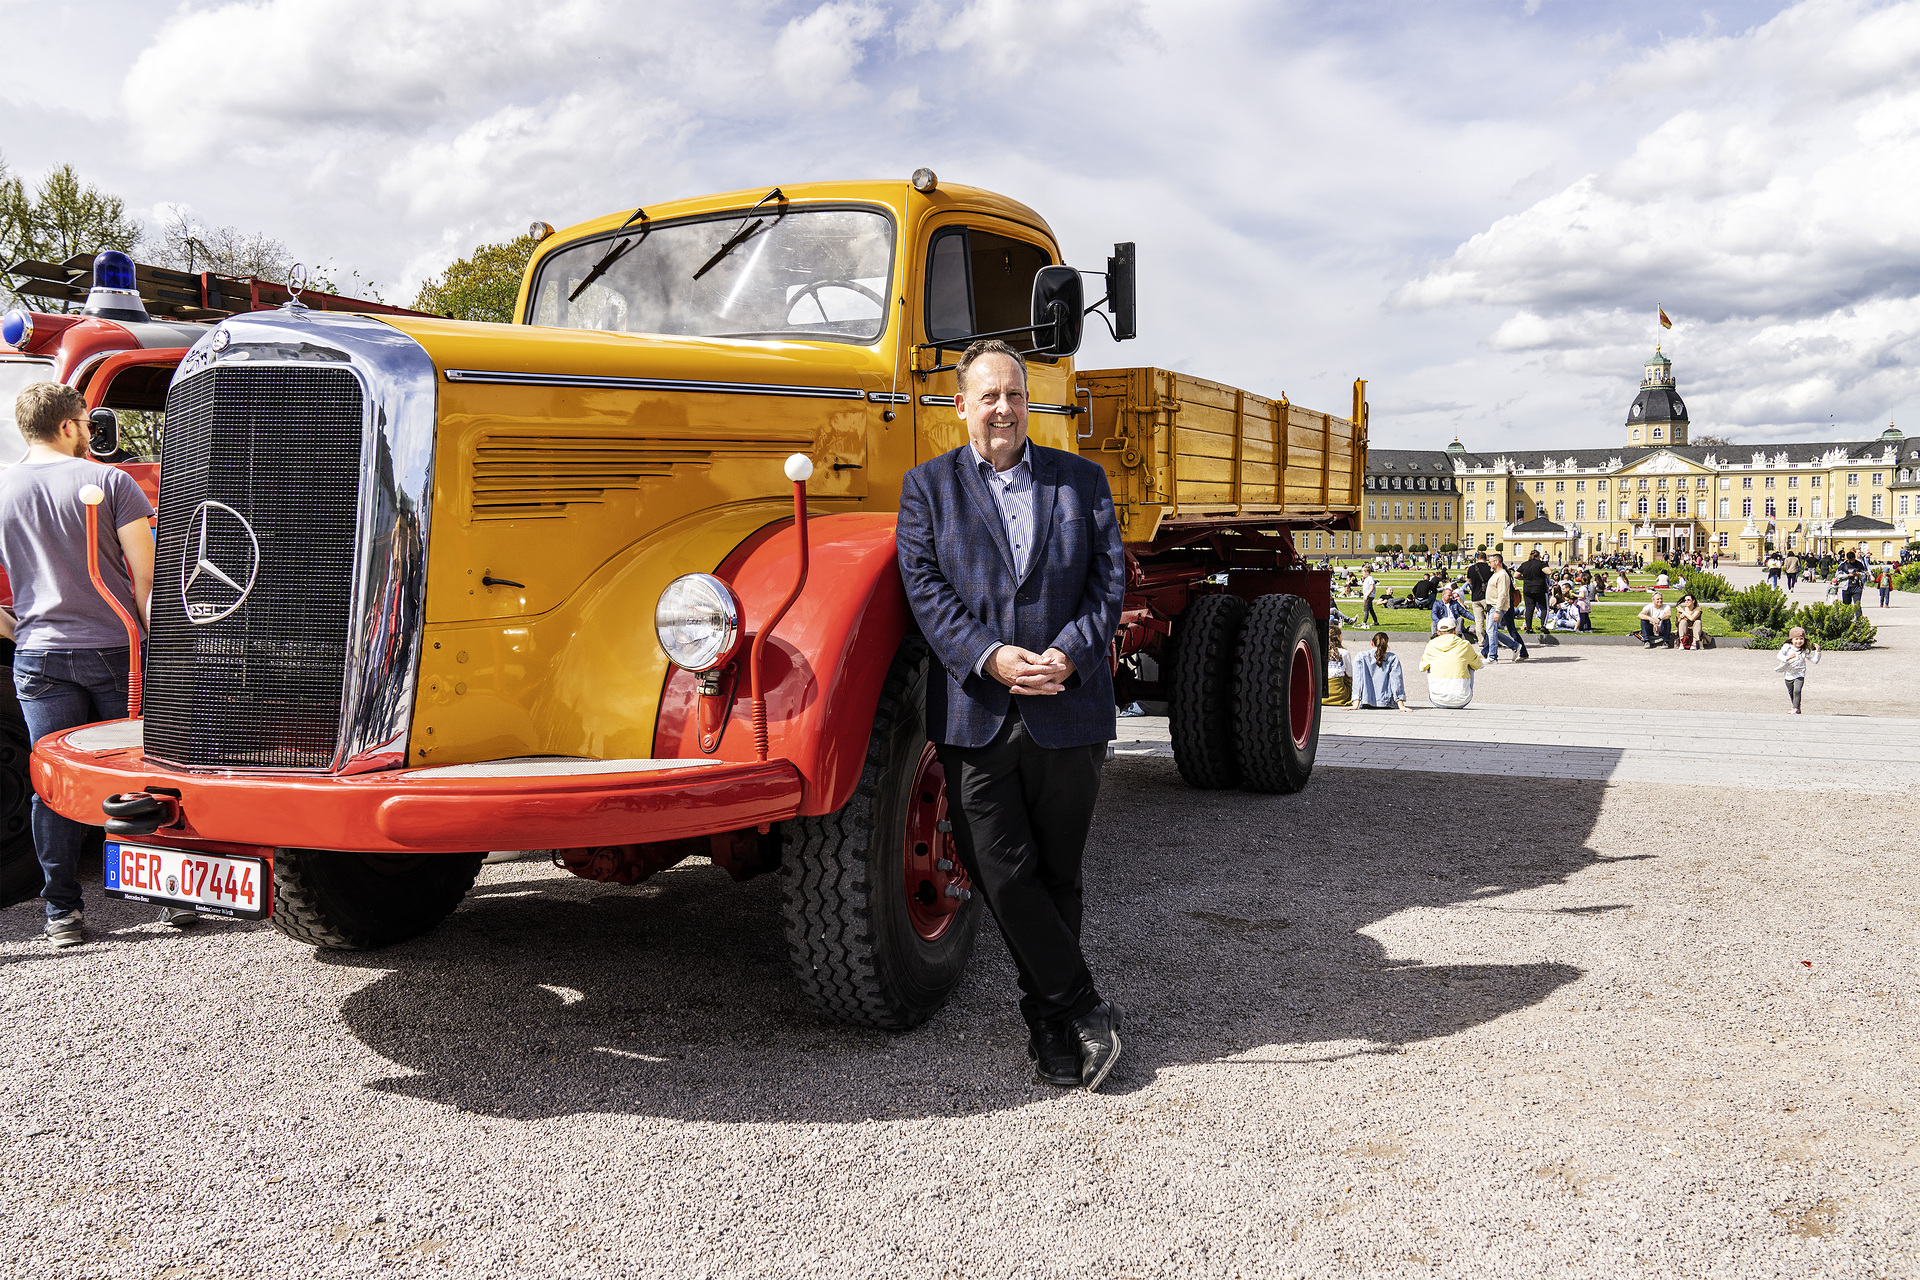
1500	632
64	689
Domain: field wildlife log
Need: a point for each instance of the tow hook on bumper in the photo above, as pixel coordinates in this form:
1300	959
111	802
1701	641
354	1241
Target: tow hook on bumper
141	813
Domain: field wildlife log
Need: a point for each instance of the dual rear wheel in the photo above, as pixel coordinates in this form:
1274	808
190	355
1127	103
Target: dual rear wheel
1243	697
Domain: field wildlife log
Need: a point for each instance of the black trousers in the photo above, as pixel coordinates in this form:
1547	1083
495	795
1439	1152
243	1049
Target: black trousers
1020	815
1534	602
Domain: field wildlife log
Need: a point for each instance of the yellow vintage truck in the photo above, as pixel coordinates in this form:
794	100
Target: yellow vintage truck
618	579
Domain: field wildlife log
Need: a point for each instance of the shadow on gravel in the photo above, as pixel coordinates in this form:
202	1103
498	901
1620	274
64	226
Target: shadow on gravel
1222	923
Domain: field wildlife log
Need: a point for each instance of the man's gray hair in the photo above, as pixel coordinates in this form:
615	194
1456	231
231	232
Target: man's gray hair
986	347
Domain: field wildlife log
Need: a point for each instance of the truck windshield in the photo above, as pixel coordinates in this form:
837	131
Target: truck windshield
14	376
800	273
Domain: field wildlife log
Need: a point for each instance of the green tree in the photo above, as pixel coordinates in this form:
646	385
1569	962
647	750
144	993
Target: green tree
481	286
64	218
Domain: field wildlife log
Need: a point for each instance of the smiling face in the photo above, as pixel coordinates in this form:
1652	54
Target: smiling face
993	401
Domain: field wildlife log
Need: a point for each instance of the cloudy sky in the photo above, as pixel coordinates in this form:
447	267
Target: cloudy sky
1477	205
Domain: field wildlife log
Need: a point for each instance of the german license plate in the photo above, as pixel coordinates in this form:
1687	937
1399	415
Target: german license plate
216	883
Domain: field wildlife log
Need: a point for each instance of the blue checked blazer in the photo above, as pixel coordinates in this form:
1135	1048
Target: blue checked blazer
958	569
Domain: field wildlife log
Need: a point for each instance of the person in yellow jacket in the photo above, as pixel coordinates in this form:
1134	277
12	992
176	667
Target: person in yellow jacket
1449	663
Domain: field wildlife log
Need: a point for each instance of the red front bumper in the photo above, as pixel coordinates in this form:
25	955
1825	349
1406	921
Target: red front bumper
419	810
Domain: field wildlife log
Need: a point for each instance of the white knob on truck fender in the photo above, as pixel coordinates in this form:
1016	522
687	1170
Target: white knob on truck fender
93	494
799	468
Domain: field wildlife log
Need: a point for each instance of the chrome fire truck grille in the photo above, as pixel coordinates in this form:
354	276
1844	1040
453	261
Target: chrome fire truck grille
253	575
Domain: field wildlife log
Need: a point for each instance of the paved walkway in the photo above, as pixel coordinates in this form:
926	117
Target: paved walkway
1611	744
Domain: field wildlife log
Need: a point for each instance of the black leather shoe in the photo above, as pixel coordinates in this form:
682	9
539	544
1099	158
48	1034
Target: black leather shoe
1055	1055
1098	1034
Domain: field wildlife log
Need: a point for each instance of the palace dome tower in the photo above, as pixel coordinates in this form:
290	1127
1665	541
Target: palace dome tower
1658	416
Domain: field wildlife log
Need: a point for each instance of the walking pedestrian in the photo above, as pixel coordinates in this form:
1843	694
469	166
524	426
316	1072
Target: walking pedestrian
1378	682
1012	562
1883	579
1477	577
1792	568
1774	565
1449	662
71	661
1367	586
1499	601
1533	586
1795	655
1853	579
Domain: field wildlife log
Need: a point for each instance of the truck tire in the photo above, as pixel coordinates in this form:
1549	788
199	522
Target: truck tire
1200	720
1277	694
874	937
356	901
20	876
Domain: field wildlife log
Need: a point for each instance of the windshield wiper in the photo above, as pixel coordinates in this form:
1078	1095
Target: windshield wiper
614	254
741	236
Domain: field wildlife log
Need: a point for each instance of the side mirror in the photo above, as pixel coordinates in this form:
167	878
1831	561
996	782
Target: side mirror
1120	291
103	433
1059	306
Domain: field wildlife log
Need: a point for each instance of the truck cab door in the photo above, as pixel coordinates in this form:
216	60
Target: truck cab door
978	278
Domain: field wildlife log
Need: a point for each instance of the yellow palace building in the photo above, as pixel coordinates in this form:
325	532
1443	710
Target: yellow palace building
1656	495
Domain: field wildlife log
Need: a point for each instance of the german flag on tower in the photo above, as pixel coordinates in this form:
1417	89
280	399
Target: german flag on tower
1664	322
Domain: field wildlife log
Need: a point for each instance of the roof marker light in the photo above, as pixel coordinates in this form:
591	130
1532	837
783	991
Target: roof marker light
540	231
925	180
115	294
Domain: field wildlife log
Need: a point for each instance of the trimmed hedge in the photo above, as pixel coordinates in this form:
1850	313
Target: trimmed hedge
1837	626
1759	606
1908	578
1709	586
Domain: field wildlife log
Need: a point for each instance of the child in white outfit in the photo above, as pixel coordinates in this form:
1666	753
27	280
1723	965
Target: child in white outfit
1795	654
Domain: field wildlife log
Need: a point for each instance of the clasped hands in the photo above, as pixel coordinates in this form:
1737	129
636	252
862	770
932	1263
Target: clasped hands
1030	673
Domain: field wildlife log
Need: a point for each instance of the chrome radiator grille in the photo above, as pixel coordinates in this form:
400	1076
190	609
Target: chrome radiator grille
253	576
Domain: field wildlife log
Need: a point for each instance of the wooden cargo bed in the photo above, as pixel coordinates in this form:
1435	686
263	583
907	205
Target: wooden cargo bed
1180	450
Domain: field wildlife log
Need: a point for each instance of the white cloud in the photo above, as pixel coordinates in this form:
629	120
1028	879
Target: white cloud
815	55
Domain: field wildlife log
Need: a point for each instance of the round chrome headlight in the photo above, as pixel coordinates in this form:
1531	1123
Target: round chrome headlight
698	621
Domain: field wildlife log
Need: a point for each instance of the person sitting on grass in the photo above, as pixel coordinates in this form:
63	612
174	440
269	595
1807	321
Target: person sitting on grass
1656	623
1449	662
1378	682
1340	662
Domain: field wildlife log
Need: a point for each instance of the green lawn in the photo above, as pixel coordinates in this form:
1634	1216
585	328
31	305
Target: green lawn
1606	622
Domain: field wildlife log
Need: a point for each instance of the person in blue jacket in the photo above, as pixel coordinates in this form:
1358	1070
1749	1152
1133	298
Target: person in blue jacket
1377	679
1446	604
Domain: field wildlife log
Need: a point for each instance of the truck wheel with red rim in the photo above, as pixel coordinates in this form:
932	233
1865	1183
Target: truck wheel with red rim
1277	694
1206	641
354	901
880	915
20	876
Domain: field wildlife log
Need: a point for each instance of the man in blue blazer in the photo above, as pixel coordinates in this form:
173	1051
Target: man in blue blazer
1012	561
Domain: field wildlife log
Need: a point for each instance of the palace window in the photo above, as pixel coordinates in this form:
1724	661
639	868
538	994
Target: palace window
1793	482
1746	482
1726	482
1469	508
1560	486
1680	505
1396	511
1661	483
1853	504
1560	511
1769	482
1660	507
1700	482
1903	504
1623	508
1813	481
1601	485
1813	508
1471	483
1793	506
1580	510
1641	507
1853	479
1579	486
1623	538
1878	477
1643	484
1746	506
1723	539
1449	511
1658	433
1770	511
1876	504
1539	486
1724	512
1370	512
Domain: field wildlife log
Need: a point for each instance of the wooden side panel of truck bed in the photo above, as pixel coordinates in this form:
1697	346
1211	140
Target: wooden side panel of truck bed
1179	449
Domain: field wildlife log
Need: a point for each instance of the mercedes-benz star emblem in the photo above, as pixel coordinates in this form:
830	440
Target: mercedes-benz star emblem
216	569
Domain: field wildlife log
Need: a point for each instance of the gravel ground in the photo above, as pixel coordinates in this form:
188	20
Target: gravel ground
1394	1025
